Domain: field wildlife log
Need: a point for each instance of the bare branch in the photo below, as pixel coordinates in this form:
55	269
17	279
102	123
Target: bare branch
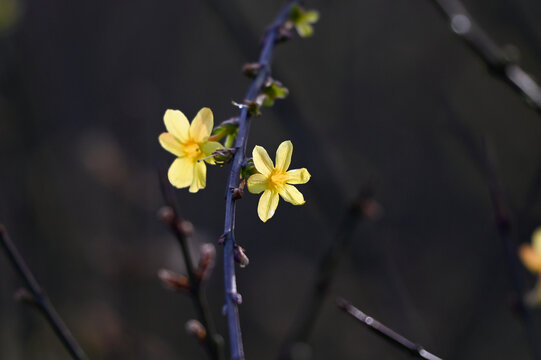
386	332
364	207
500	64
39	298
182	229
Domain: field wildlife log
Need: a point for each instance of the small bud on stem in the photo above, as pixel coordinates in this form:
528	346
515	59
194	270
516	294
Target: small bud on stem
196	329
174	281
206	261
24	297
240	256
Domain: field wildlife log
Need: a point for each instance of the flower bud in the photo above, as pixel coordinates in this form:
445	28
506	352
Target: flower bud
173	280
206	261
166	214
240	256
196	329
251	69
185	227
224	155
23	296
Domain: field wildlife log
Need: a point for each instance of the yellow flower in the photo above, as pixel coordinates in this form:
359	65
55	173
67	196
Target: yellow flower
531	254
274	181
190	143
531	258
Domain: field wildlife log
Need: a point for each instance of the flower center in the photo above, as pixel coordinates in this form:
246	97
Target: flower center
192	150
277	179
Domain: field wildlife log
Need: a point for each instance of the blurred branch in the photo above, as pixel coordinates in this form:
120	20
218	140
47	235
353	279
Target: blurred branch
232	298
195	279
503	219
385	332
364	207
500	64
37	297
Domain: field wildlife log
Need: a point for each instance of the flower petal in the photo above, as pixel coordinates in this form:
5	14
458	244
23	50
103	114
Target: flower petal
290	194
208	148
536	240
304	29
530	258
181	172
177	124
199	177
170	143
262	161
267	205
202	125
283	155
298	176
311	16
257	183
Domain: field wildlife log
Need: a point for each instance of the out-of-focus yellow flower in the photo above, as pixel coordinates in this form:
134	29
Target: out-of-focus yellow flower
190	143
303	20
531	254
531	258
276	180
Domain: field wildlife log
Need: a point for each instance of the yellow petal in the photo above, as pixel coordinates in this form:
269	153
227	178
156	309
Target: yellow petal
304	29
177	124
283	155
181	172
208	148
257	183
202	125
267	205
290	194
298	176
199	177
262	161
536	240
530	258
170	143
311	16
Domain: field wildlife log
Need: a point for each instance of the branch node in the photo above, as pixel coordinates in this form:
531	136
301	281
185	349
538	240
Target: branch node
23	296
236	297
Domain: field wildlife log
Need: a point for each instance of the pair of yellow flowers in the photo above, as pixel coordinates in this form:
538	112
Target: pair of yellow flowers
193	145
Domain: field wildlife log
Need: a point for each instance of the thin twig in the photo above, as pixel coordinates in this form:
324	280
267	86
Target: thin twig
385	332
40	299
213	341
363	207
500	64
232	298
503	219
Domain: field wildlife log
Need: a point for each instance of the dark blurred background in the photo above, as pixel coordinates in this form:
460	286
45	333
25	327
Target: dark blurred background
383	91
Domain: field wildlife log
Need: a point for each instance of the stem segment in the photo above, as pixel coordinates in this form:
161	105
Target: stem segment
40	299
386	332
232	298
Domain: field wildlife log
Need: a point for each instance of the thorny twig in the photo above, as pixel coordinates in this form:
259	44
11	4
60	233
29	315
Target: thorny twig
503	219
181	229
500	64
232	298
39	298
364	207
385	332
